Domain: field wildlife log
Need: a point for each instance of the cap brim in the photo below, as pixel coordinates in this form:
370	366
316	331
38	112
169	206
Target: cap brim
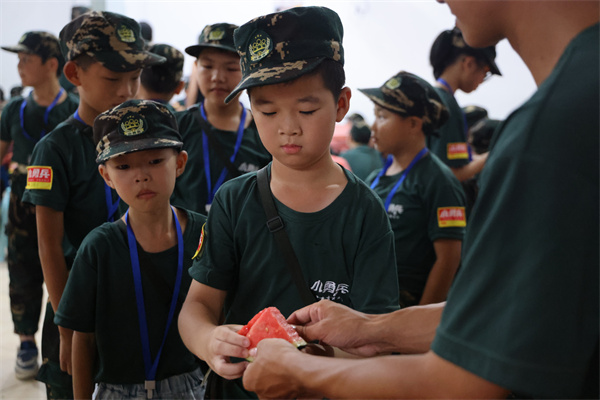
136	145
139	59
493	67
273	75
17	49
196	49
375	95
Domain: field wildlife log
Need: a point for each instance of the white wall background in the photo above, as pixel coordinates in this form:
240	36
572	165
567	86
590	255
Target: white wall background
381	38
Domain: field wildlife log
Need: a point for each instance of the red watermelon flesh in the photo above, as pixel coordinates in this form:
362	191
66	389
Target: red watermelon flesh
270	323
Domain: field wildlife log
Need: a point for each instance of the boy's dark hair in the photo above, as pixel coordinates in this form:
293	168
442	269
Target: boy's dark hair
163	78
84	61
332	73
360	132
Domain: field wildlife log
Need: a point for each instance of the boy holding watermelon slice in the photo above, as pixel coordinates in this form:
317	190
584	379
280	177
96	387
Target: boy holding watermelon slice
292	66
522	317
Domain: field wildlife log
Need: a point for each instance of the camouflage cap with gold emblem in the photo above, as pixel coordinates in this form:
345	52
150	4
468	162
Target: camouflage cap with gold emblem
219	36
451	43
112	39
133	126
282	46
407	94
43	44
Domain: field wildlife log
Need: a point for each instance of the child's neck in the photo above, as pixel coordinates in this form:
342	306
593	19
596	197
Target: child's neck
450	77
45	93
310	189
224	117
155	231
403	157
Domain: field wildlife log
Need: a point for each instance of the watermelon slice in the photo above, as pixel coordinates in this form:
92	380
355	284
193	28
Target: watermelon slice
270	323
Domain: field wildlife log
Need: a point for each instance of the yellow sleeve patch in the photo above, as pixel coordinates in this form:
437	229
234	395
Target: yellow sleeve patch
39	177
451	217
457	151
200	248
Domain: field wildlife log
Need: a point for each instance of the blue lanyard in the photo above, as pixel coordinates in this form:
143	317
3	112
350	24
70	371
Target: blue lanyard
465	131
150	366
46	115
110	206
388	162
240	133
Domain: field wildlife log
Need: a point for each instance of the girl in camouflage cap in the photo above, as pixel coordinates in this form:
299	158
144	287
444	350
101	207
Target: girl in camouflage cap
423	199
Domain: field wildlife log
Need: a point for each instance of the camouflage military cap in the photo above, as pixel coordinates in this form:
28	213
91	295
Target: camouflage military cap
409	95
219	36
451	42
360	132
135	125
111	39
282	46
174	64
43	44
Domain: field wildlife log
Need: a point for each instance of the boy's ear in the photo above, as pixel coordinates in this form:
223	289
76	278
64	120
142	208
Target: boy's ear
71	71
52	63
179	87
343	104
416	124
104	173
182	158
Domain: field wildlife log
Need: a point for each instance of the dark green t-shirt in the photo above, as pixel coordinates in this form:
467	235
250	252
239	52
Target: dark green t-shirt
100	298
191	189
523	312
363	160
429	205
64	176
33	121
346	252
451	145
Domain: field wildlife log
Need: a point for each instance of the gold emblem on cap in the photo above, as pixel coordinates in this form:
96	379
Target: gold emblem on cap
392	84
126	34
260	47
22	38
217	34
132	126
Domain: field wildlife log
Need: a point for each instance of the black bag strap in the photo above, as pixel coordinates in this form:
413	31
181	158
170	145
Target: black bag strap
276	227
214	143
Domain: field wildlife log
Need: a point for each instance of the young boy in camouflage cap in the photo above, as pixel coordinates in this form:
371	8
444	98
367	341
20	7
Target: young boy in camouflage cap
23	123
423	199
292	64
161	82
151	247
221	139
105	54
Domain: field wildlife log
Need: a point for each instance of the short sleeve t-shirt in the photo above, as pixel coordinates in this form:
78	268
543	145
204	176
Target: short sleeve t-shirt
27	132
63	175
429	205
346	253
100	298
523	312
451	146
191	189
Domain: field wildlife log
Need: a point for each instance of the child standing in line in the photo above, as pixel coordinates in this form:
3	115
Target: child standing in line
292	65
423	198
105	55
136	266
161	82
24	122
221	139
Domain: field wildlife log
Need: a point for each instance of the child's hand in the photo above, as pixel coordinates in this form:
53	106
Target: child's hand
224	342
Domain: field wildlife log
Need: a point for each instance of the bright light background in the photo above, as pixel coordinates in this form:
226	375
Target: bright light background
380	39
